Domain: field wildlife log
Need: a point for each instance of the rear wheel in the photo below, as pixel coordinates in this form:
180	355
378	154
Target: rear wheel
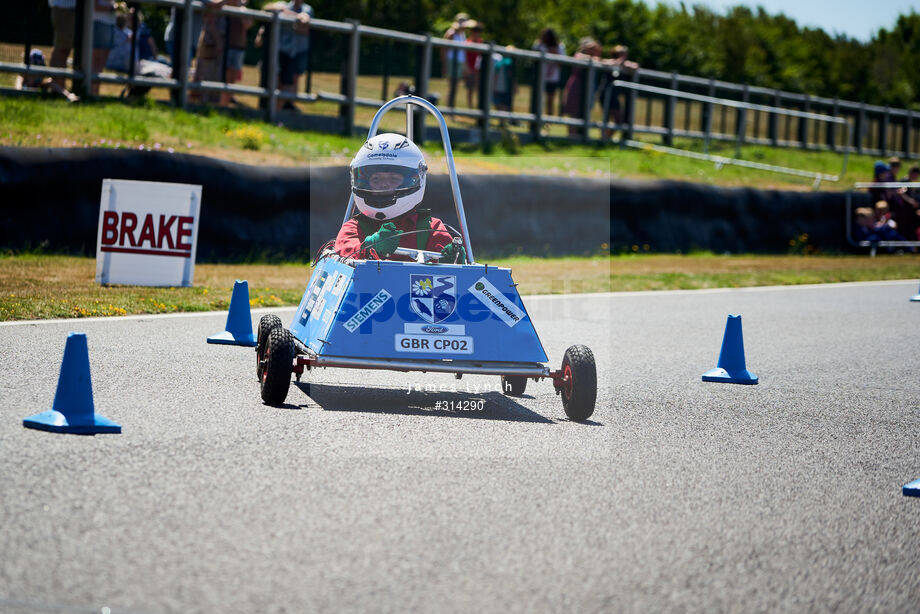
277	366
579	388
266	324
514	385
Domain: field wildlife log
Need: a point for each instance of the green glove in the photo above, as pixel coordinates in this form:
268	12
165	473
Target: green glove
451	253
385	240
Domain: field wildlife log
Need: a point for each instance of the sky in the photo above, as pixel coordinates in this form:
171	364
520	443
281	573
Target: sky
859	19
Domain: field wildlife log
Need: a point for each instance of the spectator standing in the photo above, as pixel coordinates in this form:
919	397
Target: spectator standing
911	197
210	49
146	45
473	62
913	176
454	60
169	36
294	49
103	36
120	56
894	163
588	49
63	13
504	85
549	43
236	47
610	94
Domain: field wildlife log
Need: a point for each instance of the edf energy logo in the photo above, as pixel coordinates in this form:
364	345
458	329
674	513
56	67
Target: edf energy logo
433	297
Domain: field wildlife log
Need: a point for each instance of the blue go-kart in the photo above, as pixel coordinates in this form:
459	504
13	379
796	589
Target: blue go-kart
463	318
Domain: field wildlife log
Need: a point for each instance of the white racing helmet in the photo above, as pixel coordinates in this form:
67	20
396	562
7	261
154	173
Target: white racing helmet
388	176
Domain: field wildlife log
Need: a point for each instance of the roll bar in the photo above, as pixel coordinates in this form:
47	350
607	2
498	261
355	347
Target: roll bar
409	101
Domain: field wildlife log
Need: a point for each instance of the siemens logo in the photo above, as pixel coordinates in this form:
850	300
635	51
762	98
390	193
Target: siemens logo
372	307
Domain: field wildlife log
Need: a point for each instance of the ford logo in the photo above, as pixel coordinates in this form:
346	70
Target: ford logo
435	329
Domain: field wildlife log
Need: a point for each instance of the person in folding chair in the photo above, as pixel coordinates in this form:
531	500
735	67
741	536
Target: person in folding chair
388	177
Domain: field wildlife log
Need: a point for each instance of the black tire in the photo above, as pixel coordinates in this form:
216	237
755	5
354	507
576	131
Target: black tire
514	385
266	324
278	366
580	393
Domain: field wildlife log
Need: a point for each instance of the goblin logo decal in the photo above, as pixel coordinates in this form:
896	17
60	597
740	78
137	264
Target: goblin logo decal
433	297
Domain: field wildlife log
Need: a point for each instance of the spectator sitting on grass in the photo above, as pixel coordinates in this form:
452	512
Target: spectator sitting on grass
865	225
37	58
885	226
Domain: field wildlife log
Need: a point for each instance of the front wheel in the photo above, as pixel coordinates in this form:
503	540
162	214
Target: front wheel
277	366
579	387
266	324
514	385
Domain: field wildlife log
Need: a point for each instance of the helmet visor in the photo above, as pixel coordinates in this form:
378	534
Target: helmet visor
385	178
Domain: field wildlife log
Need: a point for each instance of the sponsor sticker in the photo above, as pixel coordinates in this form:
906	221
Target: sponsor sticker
437	344
327	315
434	329
498	303
369	309
339	285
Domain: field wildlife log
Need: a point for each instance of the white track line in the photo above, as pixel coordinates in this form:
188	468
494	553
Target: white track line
527	298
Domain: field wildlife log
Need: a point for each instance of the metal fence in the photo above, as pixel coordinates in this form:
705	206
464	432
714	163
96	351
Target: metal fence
657	104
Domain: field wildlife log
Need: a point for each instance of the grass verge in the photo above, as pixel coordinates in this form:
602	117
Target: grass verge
149	125
40	286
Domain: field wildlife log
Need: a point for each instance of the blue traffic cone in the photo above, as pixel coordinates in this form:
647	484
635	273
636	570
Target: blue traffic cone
73	410
731	368
915	298
238	330
912	489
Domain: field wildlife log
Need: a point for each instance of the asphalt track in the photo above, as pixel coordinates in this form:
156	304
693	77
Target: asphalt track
678	496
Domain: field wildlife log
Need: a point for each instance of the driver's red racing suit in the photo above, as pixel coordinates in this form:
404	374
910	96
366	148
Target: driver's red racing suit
434	235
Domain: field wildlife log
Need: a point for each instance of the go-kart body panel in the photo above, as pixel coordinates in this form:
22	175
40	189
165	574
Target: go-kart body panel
407	310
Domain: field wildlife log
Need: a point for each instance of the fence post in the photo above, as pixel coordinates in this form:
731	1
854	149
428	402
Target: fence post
803	123
588	100
631	109
883	131
670	111
351	77
832	127
271	82
421	88
538	97
707	116
86	59
185	53
905	134
773	120
859	129
79	7
485	93
741	125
